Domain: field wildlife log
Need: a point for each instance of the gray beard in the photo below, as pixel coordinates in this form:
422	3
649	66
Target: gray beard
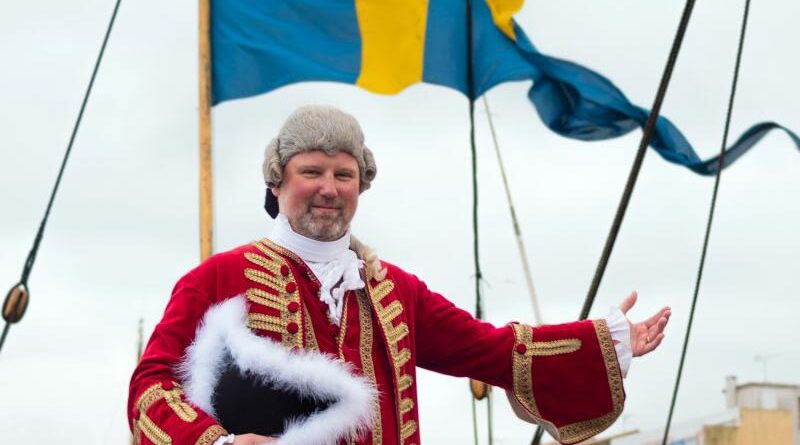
321	228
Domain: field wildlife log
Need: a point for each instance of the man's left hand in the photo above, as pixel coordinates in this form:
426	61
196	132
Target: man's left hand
647	335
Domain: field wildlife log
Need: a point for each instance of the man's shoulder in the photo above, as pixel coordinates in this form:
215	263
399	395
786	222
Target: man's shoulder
399	275
225	259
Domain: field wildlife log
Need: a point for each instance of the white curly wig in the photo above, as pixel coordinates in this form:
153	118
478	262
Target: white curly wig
318	127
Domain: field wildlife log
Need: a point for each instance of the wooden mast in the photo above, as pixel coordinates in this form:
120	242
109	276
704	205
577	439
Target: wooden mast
204	109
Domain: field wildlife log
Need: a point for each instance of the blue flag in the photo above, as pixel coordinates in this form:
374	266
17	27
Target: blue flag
385	46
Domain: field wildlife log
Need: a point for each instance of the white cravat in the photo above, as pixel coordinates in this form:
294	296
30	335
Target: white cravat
333	263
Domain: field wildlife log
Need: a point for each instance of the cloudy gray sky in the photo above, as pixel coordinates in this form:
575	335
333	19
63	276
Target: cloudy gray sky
124	227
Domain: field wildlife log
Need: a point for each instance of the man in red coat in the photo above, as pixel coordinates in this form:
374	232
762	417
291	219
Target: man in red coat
305	337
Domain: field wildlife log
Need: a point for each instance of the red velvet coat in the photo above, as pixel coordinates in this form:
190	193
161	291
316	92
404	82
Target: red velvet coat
564	377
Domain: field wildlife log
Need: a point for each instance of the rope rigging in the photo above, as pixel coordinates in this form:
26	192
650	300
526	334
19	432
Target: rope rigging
711	209
479	390
18	296
523	256
634	173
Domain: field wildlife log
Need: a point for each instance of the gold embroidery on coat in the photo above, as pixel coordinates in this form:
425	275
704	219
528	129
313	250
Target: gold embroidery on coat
265	298
406	405
311	337
174	400
394	334
153	432
367	367
408	429
136	433
266	322
269	274
210	435
404	382
343	329
184	411
557	347
523	383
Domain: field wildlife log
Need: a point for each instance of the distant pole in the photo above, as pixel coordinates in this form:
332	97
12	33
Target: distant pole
764	359
140	341
204	109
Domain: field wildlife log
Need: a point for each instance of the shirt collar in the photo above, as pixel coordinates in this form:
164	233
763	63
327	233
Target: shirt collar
309	250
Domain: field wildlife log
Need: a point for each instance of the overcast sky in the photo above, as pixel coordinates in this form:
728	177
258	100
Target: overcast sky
124	227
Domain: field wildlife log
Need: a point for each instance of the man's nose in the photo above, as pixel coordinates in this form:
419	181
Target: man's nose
327	187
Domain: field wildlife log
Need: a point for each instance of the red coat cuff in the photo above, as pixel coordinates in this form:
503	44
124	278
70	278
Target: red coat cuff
567	379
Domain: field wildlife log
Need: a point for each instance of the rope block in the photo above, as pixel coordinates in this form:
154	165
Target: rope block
16	303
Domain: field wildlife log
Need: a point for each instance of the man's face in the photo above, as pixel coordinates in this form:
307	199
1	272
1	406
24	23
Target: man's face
319	193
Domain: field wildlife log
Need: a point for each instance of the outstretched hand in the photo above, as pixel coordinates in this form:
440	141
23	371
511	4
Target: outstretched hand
647	335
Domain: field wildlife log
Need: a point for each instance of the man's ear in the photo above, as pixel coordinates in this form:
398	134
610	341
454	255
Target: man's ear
276	191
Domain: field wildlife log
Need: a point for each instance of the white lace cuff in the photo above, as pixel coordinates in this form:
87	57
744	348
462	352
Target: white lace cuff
225	439
620	333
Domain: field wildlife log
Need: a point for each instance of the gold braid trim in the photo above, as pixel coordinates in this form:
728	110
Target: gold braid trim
265	298
268	274
408	429
406	405
266	323
365	350
136	433
311	337
400	357
343	329
210	435
521	369
153	432
557	347
173	397
182	409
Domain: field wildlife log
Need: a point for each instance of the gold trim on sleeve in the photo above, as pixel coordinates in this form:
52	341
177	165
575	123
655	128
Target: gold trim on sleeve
152	431
557	347
523	385
210	435
173	397
523	382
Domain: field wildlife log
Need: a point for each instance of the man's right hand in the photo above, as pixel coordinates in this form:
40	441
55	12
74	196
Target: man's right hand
253	439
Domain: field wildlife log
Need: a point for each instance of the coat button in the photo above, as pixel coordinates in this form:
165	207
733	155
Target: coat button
284	270
167	386
291	287
292	328
520	348
293	306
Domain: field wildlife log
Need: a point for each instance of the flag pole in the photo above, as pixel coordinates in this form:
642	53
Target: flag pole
204	110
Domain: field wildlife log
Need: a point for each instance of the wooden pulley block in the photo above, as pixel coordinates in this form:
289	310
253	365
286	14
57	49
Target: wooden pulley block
479	389
15	303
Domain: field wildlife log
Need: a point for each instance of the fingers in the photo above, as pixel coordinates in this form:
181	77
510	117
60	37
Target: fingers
654	342
652	336
664	312
628	303
659	326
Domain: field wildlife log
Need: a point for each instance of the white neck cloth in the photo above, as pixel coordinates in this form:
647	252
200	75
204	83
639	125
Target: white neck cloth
333	263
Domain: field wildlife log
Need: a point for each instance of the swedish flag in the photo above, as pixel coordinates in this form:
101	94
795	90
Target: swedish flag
386	45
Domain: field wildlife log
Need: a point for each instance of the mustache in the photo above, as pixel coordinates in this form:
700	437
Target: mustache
322	202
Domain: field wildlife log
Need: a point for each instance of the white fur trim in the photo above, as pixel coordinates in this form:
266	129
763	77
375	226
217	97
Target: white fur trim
224	331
